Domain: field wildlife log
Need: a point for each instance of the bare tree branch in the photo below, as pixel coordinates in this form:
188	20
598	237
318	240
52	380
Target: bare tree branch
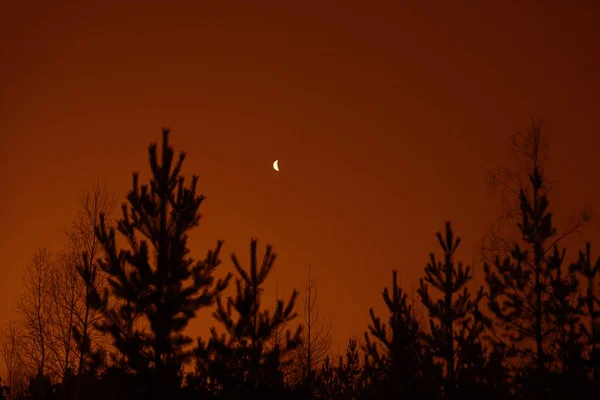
35	311
11	347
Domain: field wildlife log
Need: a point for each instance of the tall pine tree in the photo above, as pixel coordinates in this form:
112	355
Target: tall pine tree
454	319
154	279
244	361
522	278
396	359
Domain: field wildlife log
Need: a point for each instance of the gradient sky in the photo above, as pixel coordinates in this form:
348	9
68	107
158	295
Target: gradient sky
386	119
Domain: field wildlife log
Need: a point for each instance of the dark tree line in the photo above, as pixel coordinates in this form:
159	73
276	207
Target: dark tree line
105	319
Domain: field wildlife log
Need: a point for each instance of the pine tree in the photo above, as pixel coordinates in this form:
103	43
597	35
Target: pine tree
155	280
581	364
520	277
326	386
588	303
519	284
395	351
569	367
349	373
240	361
453	322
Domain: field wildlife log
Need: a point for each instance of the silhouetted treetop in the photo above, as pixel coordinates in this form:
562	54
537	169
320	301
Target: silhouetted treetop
455	321
241	361
155	280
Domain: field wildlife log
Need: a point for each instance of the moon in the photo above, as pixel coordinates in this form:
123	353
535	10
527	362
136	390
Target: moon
276	165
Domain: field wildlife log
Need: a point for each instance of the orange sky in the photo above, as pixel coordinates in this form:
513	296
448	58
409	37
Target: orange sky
386	119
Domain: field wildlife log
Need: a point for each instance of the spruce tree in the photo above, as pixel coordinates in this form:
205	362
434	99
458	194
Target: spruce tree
243	360
454	321
154	280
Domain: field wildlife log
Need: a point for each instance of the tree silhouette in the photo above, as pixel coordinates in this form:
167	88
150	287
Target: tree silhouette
316	339
34	307
349	373
518	269
239	361
520	283
83	242
65	304
453	319
12	354
155	278
4	391
569	363
588	303
326	386
395	358
140	290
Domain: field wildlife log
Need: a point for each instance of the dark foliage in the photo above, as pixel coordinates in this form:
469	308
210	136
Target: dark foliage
542	318
155	281
397	363
456	324
240	361
4	391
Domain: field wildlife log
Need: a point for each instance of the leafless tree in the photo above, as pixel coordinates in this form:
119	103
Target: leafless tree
34	306
85	251
11	349
66	303
317	333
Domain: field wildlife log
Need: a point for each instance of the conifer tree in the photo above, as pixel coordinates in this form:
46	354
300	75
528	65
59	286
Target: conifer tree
589	305
519	274
520	283
288	360
325	386
395	351
454	319
349	373
520	294
569	367
155	279
240	361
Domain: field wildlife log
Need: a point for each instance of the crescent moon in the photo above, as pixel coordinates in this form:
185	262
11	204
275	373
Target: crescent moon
276	165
